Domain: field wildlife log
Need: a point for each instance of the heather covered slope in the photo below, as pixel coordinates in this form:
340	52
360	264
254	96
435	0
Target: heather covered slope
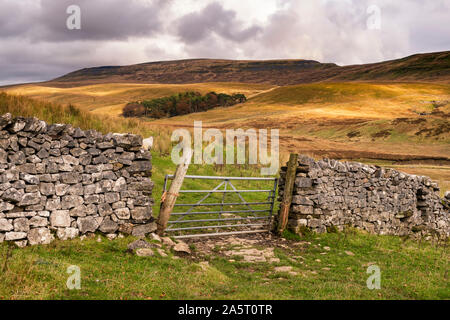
428	67
201	70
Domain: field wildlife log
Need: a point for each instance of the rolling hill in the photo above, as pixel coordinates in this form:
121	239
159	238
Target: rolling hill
428	67
390	111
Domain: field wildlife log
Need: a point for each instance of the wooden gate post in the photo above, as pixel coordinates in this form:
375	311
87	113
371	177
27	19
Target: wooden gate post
170	197
288	191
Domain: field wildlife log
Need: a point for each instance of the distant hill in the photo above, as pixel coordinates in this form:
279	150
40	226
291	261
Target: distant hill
428	67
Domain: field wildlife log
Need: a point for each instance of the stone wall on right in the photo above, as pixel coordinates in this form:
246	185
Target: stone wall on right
330	195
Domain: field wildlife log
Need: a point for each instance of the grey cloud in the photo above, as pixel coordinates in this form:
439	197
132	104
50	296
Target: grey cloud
100	19
214	19
35	44
22	61
332	31
35	72
17	17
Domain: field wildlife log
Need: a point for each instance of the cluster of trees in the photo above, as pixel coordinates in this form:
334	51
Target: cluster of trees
179	104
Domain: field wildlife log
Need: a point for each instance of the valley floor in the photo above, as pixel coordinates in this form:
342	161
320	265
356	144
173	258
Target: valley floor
377	121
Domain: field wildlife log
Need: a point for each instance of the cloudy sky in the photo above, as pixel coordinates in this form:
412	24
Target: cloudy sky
35	43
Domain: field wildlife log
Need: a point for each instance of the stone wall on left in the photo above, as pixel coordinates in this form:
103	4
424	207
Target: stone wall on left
57	181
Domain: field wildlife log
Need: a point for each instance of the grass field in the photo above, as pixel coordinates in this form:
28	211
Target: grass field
391	121
109	99
55	113
409	270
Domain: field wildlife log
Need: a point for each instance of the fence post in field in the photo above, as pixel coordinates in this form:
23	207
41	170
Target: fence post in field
288	191
170	197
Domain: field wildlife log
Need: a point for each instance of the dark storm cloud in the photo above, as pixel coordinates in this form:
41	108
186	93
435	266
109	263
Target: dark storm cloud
16	17
22	61
36	45
100	19
28	72
214	19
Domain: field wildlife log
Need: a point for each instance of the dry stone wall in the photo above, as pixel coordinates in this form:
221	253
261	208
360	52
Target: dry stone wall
57	181
330	195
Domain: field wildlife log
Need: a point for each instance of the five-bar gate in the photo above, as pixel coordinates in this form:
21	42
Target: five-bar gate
222	209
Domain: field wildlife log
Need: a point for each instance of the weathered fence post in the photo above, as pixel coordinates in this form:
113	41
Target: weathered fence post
287	195
170	197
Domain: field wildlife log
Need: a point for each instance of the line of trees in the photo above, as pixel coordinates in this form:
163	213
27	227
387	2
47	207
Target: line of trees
179	104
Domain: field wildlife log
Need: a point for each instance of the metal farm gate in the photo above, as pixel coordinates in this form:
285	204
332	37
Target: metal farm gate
222	209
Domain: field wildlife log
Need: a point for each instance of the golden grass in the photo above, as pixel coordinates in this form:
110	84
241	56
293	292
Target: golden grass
311	123
309	101
329	101
111	98
312	118
312	146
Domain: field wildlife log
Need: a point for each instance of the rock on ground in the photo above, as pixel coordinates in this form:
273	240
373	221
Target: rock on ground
139	244
182	247
145	252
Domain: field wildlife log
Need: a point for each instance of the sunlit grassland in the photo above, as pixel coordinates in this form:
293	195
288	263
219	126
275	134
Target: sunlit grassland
334	111
348	92
333	100
109	99
355	100
341	116
55	113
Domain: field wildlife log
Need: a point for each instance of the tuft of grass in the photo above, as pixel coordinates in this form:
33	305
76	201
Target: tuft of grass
289	235
56	113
